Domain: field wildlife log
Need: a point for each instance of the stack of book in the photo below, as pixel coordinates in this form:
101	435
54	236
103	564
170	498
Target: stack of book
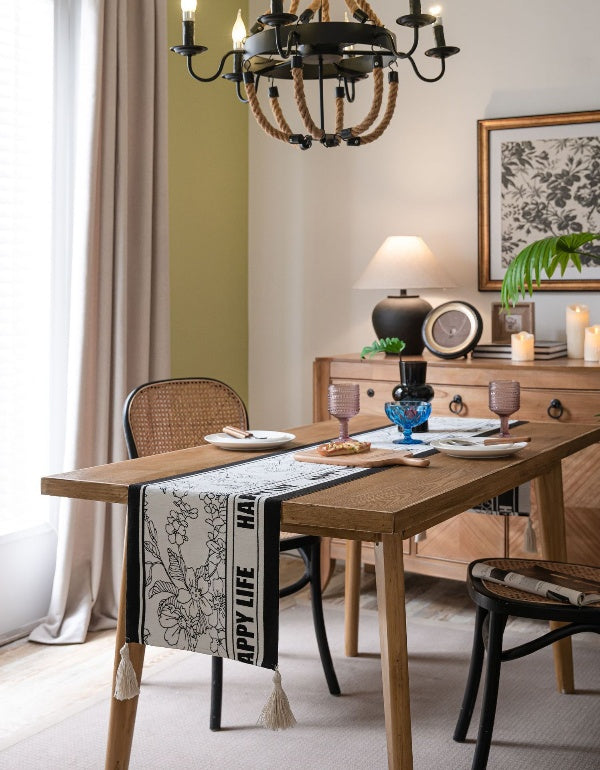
543	350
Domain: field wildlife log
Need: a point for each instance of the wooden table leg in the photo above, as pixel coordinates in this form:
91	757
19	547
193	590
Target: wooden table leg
122	713
389	572
549	498
352	597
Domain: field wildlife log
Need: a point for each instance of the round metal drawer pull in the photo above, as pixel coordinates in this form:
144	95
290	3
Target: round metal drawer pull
370	392
456	405
555	409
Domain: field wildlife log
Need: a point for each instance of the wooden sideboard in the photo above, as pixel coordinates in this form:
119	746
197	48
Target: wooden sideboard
563	389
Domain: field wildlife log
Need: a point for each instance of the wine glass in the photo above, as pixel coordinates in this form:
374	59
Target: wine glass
408	414
505	399
344	403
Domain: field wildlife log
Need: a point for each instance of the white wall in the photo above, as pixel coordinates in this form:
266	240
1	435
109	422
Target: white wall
317	217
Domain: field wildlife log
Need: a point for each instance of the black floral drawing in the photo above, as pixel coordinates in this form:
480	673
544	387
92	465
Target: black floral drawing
549	187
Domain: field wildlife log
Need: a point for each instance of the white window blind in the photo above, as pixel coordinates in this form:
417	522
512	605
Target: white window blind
26	140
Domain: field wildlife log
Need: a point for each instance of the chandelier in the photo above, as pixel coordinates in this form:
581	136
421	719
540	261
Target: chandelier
297	47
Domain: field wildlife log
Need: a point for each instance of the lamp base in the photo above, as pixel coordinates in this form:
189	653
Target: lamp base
402	317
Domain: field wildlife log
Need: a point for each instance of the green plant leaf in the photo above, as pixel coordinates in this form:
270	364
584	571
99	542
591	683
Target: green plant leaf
543	257
383	345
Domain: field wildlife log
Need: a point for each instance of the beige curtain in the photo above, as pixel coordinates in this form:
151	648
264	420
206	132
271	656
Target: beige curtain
117	333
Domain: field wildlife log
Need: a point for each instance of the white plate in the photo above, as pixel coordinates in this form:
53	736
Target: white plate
477	452
269	440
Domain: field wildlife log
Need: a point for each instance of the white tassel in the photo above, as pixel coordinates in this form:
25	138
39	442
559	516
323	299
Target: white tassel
126	685
276	713
530	544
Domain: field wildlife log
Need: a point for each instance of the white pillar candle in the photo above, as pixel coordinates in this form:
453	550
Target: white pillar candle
591	346
578	317
521	346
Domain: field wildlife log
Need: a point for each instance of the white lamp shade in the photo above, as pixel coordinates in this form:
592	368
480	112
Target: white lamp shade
404	262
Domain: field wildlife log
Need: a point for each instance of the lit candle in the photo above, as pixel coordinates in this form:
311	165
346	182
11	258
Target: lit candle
591	346
578	317
238	33
188	12
521	346
188	9
438	26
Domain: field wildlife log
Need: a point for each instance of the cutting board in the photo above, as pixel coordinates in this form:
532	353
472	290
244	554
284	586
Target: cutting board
373	459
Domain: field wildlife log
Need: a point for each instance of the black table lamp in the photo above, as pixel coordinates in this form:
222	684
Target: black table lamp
403	261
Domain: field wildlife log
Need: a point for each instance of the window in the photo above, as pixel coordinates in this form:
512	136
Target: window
26	151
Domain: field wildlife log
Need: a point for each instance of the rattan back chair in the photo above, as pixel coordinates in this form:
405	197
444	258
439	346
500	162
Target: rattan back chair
496	602
166	415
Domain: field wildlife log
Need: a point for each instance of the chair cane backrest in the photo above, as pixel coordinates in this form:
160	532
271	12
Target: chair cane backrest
167	415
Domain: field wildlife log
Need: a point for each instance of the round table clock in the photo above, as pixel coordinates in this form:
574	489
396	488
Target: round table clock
452	330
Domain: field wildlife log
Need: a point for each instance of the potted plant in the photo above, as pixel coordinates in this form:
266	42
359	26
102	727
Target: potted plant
391	346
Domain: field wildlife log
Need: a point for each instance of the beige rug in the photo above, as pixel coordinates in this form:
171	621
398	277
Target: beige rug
535	728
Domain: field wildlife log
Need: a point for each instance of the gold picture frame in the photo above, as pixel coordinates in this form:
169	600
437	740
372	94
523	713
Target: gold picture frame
519	318
523	196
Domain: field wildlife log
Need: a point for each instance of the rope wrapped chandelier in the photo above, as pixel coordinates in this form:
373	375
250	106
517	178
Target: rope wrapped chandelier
299	47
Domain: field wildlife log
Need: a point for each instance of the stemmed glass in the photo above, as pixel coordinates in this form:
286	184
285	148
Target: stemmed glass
408	414
505	399
344	403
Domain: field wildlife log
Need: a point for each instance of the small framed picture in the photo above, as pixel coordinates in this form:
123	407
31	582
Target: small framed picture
520	318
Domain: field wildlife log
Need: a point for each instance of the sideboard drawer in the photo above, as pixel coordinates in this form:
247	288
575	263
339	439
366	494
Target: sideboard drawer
540	405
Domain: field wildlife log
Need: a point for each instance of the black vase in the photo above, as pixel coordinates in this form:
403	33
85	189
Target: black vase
413	387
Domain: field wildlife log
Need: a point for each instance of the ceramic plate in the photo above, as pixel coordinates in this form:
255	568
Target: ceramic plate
480	451
269	439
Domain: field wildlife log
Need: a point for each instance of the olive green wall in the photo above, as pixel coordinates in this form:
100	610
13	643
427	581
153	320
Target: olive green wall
208	206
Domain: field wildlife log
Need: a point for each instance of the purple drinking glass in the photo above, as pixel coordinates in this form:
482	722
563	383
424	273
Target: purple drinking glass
344	403
505	399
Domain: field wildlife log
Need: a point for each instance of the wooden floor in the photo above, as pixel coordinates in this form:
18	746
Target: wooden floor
41	685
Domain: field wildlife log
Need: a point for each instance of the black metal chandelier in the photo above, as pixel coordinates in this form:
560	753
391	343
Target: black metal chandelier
290	47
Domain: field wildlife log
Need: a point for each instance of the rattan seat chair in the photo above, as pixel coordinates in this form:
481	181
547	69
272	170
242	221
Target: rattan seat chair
495	604
167	415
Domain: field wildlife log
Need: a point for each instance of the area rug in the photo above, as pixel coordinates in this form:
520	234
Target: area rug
535	726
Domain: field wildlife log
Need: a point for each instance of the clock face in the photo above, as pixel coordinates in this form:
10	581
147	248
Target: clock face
452	329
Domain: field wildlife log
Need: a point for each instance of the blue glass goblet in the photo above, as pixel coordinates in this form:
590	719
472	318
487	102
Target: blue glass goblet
408	414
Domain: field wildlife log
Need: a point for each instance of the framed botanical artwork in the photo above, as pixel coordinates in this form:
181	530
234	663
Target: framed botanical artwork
538	176
519	318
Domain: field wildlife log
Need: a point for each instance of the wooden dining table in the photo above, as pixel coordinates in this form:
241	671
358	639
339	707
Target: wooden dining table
384	507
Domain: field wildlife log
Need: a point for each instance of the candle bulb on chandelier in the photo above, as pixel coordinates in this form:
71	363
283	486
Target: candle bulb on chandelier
188	12
438	26
238	33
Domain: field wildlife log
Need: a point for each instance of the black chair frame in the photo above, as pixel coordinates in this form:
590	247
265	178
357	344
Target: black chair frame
492	614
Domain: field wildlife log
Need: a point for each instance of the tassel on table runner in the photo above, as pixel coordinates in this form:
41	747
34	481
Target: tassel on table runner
277	713
530	542
126	684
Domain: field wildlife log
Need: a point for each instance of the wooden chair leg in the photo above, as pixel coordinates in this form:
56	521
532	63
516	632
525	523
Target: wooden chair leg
473	679
122	713
352	597
490	693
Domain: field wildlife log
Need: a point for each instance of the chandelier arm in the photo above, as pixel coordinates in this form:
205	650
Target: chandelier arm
371	116
300	97
217	73
422	77
363	5
387	117
238	90
350	96
260	117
